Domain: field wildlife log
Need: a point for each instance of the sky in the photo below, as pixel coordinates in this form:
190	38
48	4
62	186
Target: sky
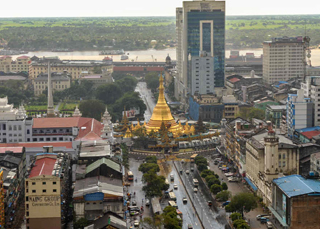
111	8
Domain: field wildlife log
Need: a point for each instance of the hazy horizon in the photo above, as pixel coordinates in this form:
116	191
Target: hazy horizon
144	8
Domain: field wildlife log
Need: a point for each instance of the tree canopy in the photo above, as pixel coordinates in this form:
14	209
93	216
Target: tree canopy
92	109
244	201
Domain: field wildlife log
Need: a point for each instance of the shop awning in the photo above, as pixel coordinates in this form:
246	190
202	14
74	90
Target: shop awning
251	184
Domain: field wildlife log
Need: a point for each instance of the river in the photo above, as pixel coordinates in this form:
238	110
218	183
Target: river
146	55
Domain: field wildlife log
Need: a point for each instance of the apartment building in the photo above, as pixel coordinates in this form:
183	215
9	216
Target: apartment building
311	89
60	82
73	67
21	64
299	112
283	58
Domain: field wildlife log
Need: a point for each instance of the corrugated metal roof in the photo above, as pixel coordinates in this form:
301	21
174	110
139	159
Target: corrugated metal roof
43	166
108	162
296	185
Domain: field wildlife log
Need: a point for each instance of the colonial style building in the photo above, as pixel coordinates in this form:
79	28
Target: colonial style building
21	64
269	156
59	81
73	67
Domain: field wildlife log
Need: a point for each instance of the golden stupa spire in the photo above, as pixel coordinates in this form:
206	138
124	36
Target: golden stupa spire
161	113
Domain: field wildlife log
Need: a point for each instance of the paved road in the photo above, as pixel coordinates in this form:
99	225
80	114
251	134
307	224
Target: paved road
188	212
146	96
235	188
56	109
200	199
137	188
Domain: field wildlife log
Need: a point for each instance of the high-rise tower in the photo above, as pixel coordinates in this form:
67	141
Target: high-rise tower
50	109
200	28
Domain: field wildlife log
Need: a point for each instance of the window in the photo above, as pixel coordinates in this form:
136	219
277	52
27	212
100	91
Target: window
284	164
54	182
27	213
279	156
44	183
33	183
54	190
27	190
284	156
44	190
27	198
33	191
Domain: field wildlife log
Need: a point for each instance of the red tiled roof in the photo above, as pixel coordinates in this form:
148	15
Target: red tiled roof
233	80
310	134
55	122
43	166
23	57
90	130
68	145
107	58
17	149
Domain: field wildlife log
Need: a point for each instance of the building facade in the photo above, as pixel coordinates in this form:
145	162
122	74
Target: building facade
283	58
21	64
200	26
299	112
73	67
60	82
274	114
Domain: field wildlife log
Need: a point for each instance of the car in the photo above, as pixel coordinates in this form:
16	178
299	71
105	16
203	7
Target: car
187	172
134	213
233	179
264	219
181	172
216	162
147	202
191	169
258	217
184	200
171	177
134	203
175	186
182	161
190	226
136	223
225	203
229	174
195	190
269	225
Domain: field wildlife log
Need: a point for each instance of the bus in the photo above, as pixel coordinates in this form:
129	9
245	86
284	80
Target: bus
172	196
193	157
130	176
195	183
173	204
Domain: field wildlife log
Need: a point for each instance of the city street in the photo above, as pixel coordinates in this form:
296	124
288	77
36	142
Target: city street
237	187
188	212
200	199
146	96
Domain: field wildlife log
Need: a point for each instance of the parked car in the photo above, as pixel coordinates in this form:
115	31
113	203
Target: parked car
269	225
225	203
233	179
216	162
258	217
187	172
264	220
134	203
229	174
136	223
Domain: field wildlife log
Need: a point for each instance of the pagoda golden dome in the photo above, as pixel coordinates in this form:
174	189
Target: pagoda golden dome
162	113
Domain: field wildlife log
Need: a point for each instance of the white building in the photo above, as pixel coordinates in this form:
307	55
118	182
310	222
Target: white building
283	58
299	112
14	126
202	74
311	89
268	157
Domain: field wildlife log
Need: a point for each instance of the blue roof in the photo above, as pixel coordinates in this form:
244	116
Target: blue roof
296	185
315	128
281	82
251	184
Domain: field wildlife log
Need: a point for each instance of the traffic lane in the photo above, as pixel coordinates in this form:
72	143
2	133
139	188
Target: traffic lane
207	215
187	210
136	187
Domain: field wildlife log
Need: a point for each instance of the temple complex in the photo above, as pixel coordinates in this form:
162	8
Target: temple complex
161	113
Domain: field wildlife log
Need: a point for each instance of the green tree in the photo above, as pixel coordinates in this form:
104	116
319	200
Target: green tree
81	223
170	220
242	202
234	216
240	224
215	188
200	159
109	93
206	173
152	223
154	184
224	186
251	112
213	181
151	159
92	109
202	166
146	167
127	84
223	195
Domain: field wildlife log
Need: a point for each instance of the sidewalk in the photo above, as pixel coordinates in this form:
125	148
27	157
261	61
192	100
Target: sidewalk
237	187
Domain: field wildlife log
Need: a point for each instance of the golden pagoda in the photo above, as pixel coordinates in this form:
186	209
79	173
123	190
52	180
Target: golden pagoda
161	113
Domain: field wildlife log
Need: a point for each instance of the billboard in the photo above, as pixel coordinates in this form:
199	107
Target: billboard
132	112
